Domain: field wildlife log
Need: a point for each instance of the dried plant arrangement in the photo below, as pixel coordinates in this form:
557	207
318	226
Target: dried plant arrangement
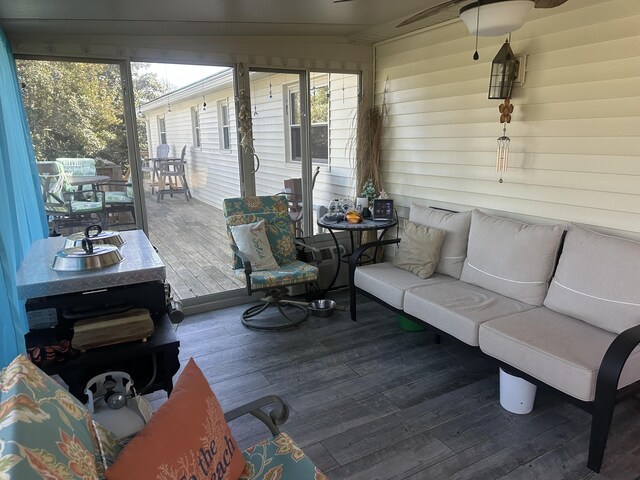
367	145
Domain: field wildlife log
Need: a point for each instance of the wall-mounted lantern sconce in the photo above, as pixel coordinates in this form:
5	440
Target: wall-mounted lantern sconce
504	70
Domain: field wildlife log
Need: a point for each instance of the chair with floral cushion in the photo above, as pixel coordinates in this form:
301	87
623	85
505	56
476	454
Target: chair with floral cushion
265	254
64	207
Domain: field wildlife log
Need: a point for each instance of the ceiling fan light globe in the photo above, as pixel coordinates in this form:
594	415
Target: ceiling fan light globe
497	17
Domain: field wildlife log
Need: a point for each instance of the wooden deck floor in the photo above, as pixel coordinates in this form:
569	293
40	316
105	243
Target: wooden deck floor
191	239
370	400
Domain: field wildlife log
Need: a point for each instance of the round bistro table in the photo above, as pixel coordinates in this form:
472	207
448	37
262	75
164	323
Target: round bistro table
366	225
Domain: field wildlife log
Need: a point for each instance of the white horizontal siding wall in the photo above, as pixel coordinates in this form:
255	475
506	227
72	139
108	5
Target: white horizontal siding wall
212	173
271	140
575	132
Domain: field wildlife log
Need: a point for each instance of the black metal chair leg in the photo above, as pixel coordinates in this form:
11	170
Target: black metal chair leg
291	321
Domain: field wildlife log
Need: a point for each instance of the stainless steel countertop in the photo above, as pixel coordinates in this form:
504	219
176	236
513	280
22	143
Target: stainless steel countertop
36	278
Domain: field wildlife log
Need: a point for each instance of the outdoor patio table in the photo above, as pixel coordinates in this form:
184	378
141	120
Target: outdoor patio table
364	226
81	180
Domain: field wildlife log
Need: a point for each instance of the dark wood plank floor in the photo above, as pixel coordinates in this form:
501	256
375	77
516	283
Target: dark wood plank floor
371	401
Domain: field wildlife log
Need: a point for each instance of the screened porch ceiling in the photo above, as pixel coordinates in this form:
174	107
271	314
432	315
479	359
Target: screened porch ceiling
362	21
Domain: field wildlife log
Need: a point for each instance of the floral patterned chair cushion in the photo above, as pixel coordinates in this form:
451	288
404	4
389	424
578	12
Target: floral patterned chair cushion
287	274
274	211
44	431
278	458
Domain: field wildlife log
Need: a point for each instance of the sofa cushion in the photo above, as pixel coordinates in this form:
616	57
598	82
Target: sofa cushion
597	280
559	350
459	308
187	437
419	250
44	431
454	246
278	458
389	283
511	258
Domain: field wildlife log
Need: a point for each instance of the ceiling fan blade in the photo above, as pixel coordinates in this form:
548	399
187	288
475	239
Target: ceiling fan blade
430	11
549	3
340	1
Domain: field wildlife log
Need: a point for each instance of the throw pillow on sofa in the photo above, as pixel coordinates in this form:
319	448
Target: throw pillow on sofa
187	437
454	246
419	250
511	258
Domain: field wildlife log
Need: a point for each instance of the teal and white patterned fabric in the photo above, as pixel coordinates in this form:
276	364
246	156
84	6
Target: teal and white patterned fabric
287	274
280	232
78	166
44	431
279	458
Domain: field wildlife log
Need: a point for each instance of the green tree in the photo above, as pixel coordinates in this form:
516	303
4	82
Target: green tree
75	109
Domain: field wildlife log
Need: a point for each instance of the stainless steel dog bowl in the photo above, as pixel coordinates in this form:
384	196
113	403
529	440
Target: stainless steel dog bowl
322	308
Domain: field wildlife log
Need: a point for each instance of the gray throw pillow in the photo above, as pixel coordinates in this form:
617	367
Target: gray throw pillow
419	249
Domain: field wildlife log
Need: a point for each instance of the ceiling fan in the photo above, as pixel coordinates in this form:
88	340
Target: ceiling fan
450	3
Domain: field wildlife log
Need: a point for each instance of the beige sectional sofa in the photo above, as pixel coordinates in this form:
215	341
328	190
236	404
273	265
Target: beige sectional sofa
561	308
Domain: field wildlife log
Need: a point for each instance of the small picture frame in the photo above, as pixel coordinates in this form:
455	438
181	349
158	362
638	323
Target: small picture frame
383	209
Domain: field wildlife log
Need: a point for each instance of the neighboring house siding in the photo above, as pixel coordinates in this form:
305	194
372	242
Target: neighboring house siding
575	132
271	143
213	173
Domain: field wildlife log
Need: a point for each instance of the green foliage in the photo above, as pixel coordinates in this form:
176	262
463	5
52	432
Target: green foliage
76	109
320	105
369	191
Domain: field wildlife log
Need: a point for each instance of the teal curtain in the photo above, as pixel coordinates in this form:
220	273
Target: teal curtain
22	218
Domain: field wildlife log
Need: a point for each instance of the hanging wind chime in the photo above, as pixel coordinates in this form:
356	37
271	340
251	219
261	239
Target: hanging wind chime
502	157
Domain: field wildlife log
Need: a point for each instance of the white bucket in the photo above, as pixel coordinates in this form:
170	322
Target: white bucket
516	394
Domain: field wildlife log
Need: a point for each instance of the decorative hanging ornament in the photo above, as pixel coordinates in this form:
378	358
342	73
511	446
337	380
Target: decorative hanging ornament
502	156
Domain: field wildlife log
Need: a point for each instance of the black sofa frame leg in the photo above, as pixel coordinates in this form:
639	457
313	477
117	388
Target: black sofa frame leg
606	393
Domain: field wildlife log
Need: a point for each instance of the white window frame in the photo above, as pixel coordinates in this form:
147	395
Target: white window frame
225	140
290	89
162	129
195	127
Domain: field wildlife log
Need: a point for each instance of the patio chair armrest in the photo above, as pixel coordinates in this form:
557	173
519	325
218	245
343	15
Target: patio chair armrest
317	255
276	416
246	263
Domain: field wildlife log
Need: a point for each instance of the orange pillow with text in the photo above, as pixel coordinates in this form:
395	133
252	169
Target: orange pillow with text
187	438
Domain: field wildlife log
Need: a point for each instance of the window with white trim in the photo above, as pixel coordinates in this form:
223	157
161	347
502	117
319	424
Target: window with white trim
162	130
223	125
195	126
319	100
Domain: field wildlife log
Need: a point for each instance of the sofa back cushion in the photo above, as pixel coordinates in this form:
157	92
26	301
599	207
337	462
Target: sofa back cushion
512	258
597	280
44	431
454	246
